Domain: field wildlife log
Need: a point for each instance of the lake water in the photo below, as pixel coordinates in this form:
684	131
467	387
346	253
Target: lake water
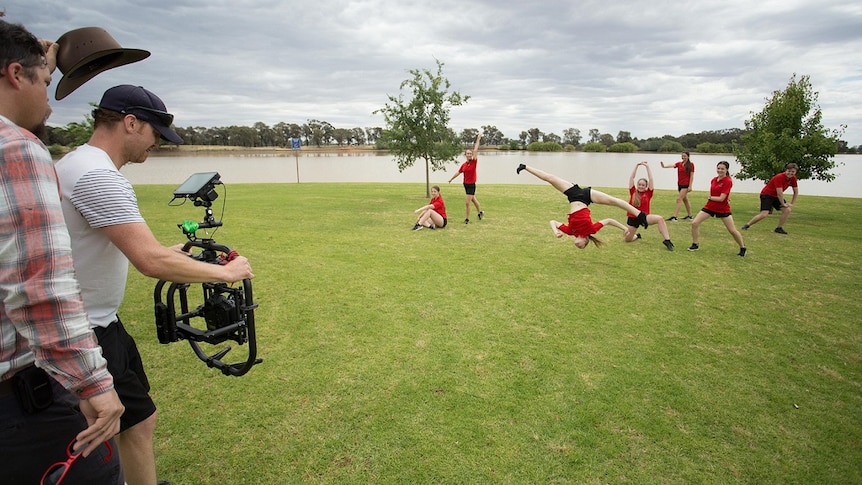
609	170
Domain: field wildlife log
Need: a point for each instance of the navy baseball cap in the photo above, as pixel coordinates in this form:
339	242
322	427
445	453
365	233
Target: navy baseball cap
135	100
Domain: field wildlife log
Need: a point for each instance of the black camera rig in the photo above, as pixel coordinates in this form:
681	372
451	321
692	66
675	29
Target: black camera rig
227	312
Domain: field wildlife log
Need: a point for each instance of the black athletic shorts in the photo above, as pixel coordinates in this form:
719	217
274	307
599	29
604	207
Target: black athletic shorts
720	215
633	221
470	189
768	203
577	194
125	364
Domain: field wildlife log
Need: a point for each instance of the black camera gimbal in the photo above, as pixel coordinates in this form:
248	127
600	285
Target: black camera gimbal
228	312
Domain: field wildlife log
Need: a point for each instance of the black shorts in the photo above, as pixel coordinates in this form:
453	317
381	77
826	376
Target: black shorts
130	381
720	215
680	187
445	221
768	203
577	194
633	221
470	189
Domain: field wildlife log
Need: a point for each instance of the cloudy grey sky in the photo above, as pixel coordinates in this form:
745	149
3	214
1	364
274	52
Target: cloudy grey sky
647	67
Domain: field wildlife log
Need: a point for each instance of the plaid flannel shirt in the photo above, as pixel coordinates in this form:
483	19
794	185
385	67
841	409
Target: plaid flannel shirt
42	317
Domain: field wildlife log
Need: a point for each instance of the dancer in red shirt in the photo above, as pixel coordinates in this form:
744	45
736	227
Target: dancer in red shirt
468	168
580	223
718	205
684	171
432	215
640	195
772	197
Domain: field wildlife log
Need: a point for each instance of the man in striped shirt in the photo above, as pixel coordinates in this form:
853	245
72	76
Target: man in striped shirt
56	394
108	232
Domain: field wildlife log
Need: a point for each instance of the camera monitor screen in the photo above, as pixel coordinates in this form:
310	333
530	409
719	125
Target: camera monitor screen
196	183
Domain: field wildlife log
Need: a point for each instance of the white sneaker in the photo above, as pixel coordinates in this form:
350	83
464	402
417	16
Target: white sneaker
555	226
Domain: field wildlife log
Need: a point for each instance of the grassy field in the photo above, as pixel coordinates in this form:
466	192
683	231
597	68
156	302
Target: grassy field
495	353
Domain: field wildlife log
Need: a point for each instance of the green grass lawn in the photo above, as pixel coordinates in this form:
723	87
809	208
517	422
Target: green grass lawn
495	353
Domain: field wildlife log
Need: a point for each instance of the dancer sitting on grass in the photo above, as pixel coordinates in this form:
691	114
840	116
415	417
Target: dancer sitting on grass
717	205
640	195
580	223
432	215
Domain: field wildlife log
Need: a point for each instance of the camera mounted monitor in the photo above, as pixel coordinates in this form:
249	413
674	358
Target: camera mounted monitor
200	187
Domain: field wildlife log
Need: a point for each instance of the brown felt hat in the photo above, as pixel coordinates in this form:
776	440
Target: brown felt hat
86	52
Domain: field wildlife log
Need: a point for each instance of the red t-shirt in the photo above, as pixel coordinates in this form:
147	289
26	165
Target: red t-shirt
716	188
781	180
439	206
468	168
581	224
646	197
683	177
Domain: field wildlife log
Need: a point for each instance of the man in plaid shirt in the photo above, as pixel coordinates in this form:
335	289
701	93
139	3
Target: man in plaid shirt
57	398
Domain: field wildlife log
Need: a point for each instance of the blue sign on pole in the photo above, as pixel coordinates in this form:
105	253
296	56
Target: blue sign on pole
295	143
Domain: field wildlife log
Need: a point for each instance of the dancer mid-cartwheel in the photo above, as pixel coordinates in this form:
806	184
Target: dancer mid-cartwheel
580	223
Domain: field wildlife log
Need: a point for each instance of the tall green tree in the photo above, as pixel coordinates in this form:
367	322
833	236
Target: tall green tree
789	129
418	127
572	136
468	136
491	135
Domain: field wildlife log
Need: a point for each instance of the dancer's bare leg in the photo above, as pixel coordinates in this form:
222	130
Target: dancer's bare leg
560	184
602	198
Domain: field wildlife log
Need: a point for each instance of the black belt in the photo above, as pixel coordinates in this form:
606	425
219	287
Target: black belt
6	387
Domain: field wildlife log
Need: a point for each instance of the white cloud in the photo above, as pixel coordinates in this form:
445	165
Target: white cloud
649	68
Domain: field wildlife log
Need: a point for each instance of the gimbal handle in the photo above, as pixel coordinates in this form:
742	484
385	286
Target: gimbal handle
172	326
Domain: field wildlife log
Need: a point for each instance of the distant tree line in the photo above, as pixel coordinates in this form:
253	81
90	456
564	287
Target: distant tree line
316	133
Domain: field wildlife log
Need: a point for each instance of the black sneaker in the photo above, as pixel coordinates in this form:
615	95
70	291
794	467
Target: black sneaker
520	167
466	221
693	247
672	219
668	244
481	215
687	218
417	226
741	252
780	230
745	227
638	236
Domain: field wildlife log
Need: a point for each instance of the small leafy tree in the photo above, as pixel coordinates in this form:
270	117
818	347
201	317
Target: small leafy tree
418	128
789	129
